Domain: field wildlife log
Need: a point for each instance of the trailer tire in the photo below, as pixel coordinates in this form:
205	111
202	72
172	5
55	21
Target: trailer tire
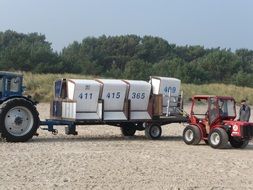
19	120
238	143
153	131
218	138
191	135
128	130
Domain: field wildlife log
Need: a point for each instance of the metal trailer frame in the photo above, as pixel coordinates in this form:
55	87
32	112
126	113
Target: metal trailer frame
158	118
70	128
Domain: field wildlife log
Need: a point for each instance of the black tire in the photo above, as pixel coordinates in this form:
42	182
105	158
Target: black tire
128	129
218	138
206	142
153	131
238	143
19	120
192	135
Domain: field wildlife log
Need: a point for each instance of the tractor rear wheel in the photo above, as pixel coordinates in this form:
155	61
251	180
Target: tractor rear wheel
128	129
238	143
19	120
218	138
191	135
153	131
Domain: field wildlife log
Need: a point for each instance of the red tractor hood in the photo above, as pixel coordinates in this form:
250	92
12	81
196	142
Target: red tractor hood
240	129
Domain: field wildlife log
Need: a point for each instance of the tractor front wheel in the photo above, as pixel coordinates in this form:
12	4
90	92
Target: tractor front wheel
238	143
218	138
191	135
19	120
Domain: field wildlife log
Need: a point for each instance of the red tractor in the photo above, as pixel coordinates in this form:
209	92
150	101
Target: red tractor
212	119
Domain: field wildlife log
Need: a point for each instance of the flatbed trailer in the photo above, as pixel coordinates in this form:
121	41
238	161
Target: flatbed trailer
152	127
130	105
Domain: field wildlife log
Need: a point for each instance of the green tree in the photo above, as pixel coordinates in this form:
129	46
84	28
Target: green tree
25	52
138	69
169	67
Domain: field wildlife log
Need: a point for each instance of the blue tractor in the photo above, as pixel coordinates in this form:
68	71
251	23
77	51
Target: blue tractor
19	118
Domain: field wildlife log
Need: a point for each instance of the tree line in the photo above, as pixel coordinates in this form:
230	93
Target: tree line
127	56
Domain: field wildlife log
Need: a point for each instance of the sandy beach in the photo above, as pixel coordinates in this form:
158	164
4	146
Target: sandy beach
100	158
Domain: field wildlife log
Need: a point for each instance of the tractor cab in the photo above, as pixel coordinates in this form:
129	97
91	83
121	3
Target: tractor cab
212	110
10	85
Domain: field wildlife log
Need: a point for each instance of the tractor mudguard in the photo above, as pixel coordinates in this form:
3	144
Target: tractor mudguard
13	97
200	128
227	128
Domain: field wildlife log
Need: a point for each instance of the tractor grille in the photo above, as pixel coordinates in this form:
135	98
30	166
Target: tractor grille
247	131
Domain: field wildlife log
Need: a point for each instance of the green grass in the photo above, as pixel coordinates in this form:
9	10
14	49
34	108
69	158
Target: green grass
40	87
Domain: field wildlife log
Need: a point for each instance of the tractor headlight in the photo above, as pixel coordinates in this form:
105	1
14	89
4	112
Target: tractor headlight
235	127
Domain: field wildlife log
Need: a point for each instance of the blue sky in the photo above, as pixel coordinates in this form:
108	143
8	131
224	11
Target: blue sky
211	23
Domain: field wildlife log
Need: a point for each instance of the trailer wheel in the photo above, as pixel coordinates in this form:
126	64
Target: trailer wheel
19	120
238	143
218	138
128	129
153	131
191	135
